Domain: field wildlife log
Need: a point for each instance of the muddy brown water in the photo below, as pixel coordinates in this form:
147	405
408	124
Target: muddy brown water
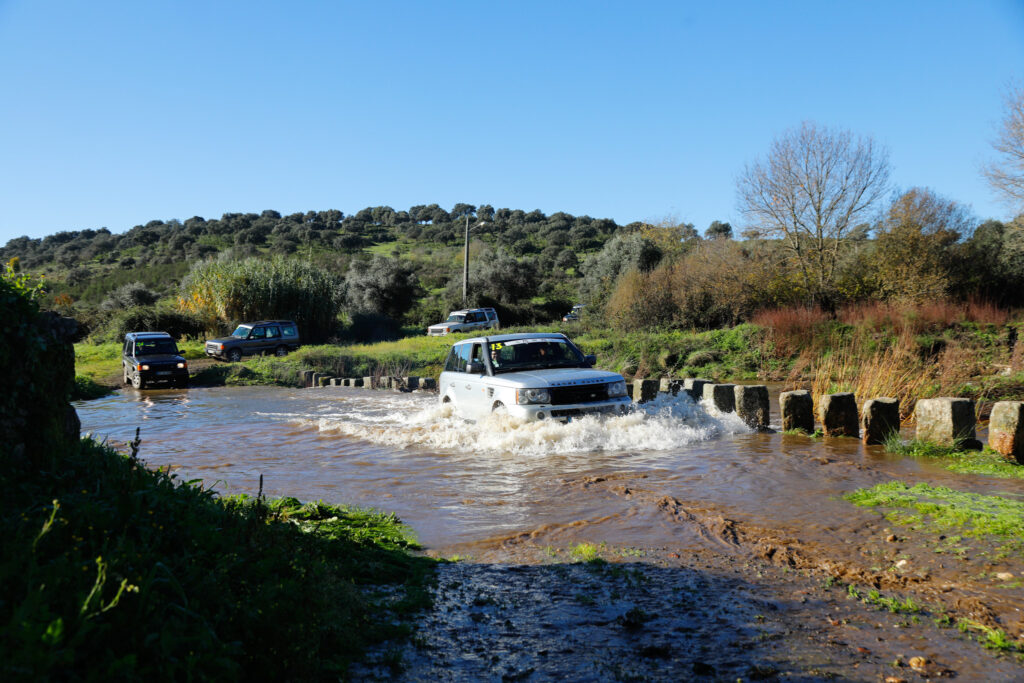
672	486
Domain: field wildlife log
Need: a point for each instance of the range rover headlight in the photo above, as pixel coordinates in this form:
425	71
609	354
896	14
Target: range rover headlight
533	396
143	367
617	389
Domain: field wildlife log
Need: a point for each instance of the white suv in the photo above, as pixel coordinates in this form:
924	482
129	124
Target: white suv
532	376
465	321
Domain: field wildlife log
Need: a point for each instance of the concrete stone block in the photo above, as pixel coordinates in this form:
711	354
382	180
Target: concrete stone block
346	381
645	390
695	387
838	414
412	383
428	384
368	383
879	419
358	382
336	381
1006	430
629	390
721	396
307	378
752	405
671	386
945	421
323	380
797	408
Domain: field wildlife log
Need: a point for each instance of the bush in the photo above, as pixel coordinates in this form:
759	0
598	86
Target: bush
151	319
227	292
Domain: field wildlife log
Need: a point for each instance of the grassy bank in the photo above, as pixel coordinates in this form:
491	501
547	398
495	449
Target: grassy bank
124	573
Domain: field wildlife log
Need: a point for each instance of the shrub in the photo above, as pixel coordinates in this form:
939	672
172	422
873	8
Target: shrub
227	292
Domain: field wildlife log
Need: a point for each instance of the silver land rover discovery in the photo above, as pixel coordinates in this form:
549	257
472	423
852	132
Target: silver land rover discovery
532	376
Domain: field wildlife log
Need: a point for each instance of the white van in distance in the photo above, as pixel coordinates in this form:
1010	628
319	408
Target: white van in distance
465	321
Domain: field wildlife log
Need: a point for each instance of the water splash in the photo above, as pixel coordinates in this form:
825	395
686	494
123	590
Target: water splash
660	425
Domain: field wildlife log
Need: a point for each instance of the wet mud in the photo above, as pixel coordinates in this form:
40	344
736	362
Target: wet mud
672	544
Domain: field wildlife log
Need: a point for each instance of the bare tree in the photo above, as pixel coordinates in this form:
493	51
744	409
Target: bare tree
813	188
1006	176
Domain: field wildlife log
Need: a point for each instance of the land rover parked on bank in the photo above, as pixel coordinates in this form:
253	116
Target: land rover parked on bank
466	321
150	358
255	339
532	376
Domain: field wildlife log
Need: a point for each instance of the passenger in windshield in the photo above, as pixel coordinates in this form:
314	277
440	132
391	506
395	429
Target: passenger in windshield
455	319
526	354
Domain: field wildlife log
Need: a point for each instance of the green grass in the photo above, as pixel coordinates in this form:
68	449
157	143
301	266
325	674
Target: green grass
126	573
958	460
944	511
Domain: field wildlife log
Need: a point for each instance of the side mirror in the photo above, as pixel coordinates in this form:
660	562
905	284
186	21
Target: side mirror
475	368
590	360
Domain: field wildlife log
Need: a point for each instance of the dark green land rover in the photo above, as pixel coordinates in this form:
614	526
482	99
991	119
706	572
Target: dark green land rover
152	358
251	339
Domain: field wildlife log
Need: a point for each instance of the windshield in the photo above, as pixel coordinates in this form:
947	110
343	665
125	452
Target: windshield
532	354
241	331
152	347
453	318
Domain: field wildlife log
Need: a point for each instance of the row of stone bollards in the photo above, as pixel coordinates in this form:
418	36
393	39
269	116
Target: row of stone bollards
749	401
943	421
311	378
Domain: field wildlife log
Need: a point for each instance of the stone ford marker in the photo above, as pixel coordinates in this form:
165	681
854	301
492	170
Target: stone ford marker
695	387
945	421
722	396
1006	430
752	404
645	390
797	408
880	419
839	414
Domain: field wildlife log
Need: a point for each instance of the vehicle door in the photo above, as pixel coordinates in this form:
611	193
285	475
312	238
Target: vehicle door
456	375
273	338
257	342
474	384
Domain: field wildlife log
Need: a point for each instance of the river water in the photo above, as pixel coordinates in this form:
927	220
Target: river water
696	496
459	484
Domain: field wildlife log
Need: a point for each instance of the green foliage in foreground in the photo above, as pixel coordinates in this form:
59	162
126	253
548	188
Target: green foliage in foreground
957	459
85	388
116	572
941	510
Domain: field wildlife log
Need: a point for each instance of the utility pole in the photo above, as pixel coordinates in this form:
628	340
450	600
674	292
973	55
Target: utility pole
465	268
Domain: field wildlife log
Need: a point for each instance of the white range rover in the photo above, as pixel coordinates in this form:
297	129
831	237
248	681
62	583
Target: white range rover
532	376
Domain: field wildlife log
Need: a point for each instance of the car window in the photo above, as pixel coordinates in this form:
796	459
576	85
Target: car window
128	347
155	346
288	331
524	354
456	319
273	332
478	353
491	315
241	331
464	355
451	362
258	333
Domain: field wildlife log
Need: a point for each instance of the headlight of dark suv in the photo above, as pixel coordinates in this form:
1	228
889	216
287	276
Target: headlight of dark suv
533	396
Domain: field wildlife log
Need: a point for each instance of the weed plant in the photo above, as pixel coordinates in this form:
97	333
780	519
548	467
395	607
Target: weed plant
957	459
944	511
112	571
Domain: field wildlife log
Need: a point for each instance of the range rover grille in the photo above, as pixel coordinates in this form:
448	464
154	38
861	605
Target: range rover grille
585	393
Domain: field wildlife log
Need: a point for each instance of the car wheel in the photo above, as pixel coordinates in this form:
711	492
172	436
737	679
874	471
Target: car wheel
234	355
281	351
499	408
138	382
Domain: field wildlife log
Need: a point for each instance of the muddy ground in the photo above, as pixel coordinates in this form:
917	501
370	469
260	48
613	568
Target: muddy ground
733	602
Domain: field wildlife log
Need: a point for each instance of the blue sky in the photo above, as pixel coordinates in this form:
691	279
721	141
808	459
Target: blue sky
113	114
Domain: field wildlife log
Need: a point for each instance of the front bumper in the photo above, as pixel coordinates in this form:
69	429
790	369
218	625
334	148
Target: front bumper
565	413
161	375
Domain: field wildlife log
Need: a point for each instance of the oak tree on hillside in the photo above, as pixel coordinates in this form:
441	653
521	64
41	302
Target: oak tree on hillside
813	188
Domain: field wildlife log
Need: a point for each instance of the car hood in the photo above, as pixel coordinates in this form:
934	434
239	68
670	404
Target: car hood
160	358
223	340
557	377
